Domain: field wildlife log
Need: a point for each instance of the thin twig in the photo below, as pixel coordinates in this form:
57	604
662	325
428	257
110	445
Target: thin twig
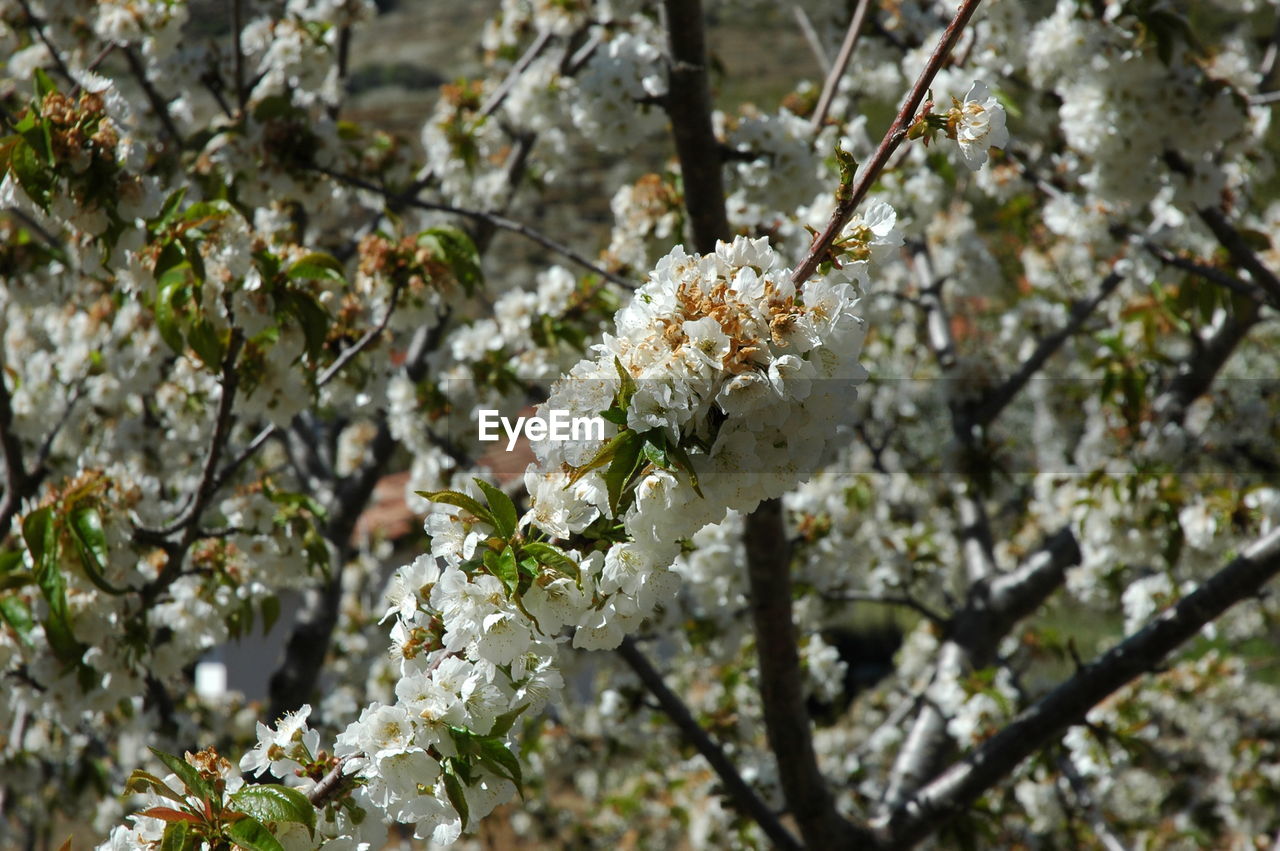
903	600
742	795
504	88
1211	274
329	786
498	221
237	48
997	399
38	25
372	334
832	82
893	137
158	104
16	480
811	37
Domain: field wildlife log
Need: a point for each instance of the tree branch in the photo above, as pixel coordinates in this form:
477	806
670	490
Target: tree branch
990	406
1032	729
811	38
494	219
893	137
991	610
688	104
832	82
742	795
158	104
16	479
782	688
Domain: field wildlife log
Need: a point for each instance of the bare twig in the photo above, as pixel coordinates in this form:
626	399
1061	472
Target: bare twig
494	219
811	37
237	50
329	786
38	25
499	94
369	336
1212	274
893	137
742	795
904	600
158	104
949	794
995	401
16	480
832	83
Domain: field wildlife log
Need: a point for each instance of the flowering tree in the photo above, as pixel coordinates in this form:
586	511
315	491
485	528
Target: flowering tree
1003	372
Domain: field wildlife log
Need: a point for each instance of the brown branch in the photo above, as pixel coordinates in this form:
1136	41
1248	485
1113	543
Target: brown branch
951	793
786	719
737	789
495	100
832	82
498	221
893	137
329	786
992	608
688	104
38	25
1198	372
158	104
992	403
811	38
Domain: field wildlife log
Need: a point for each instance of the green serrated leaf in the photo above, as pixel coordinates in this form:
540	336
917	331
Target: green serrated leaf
681	457
311	317
15	613
624	463
627	386
141	781
43	84
498	758
252	835
504	510
178	836
504	567
271	802
458	252
90	542
170	209
461	500
504	722
207	343
317	266
32	176
553	557
602	457
457	797
187	773
270	612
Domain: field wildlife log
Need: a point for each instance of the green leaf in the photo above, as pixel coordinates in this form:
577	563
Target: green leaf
624	463
15	613
271	802
32	176
207	343
43	84
457	796
172	291
461	500
676	451
456	250
311	317
504	722
252	835
187	773
627	388
615	415
603	456
552	557
504	510
316	266
169	210
141	781
178	837
498	758
91	545
270	612
504	567
40	531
